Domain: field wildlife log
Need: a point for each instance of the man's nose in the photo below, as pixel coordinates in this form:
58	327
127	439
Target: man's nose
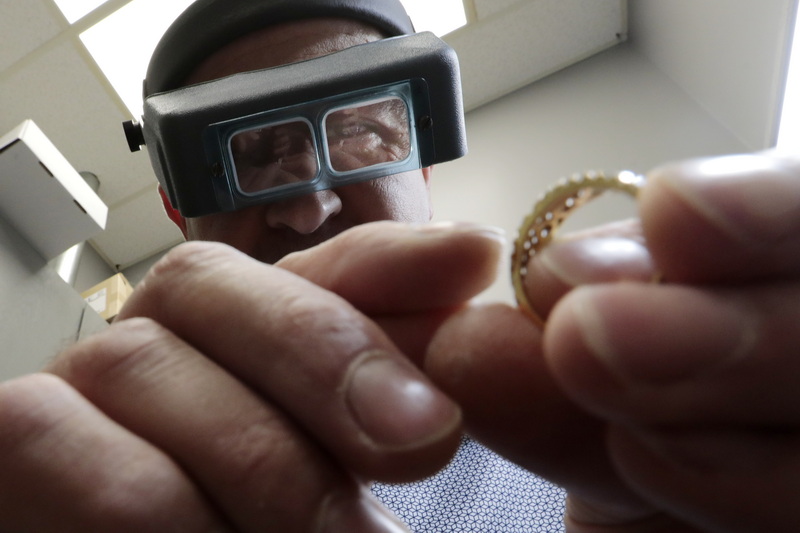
304	214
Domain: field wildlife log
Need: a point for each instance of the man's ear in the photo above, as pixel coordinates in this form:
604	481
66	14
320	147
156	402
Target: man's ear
173	213
426	174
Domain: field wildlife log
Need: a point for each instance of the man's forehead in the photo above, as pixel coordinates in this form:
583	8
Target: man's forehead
282	44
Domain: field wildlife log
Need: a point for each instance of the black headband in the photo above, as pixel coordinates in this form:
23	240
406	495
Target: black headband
208	25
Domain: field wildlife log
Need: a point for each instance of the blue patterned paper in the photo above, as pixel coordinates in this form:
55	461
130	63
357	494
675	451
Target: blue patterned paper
479	492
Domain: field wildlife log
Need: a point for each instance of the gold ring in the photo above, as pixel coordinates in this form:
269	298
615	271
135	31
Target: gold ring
550	211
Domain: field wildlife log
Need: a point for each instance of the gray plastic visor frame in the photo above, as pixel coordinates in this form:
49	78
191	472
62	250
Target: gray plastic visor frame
313	146
270	134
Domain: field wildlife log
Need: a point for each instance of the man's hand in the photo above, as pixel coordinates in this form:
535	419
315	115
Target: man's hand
667	406
236	396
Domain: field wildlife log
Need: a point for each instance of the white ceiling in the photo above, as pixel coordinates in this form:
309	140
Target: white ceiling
47	75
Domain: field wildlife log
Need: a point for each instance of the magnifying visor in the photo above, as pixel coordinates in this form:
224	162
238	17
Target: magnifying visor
369	111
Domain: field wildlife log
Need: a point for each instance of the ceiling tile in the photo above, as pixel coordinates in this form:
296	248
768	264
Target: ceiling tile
61	92
25	25
136	230
487	8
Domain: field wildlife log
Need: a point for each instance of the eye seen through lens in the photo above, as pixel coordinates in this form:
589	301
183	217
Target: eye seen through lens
273	156
362	136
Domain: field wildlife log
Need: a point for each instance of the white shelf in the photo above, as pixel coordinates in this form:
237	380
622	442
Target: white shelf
42	196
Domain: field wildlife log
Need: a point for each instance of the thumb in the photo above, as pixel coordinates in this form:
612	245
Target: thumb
726	219
390	267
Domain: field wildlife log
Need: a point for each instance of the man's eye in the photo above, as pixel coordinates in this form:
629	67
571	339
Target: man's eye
253	148
350	129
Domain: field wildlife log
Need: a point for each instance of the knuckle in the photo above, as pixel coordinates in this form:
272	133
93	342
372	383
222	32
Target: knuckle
256	451
145	493
29	405
83	477
179	276
263	451
118	349
323	314
188	257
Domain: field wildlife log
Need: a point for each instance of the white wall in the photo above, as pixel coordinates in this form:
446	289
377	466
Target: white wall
729	55
41	314
92	269
613	111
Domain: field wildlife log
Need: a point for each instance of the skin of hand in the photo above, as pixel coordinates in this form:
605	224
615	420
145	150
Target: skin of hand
149	427
661	407
267	411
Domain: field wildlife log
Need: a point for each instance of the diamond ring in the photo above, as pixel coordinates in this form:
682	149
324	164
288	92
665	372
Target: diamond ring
550	211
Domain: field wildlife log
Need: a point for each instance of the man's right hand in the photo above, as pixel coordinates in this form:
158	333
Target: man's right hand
236	396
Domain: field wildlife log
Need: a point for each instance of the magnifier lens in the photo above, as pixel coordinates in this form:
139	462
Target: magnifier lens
275	155
369	134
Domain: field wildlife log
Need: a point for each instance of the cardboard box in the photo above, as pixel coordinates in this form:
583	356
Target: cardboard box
108	297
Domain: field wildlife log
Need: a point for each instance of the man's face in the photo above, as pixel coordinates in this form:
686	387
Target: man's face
270	231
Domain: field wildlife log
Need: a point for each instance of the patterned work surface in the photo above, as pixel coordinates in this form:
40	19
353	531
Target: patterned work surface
479	492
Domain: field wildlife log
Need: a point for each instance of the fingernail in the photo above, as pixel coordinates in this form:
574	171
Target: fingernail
594	260
348	511
645	344
439	228
593	330
752	198
394	405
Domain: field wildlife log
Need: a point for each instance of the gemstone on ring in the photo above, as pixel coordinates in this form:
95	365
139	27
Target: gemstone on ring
550	211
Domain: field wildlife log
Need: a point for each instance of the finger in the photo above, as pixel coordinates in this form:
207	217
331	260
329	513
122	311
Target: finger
724	220
308	351
489	359
737	482
676	355
255	465
391	268
66	467
582	516
613	252
412	332
419	277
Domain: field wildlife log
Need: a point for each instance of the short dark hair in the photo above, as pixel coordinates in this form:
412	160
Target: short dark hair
208	25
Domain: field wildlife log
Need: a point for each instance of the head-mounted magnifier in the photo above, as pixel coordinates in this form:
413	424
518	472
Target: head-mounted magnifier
365	112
